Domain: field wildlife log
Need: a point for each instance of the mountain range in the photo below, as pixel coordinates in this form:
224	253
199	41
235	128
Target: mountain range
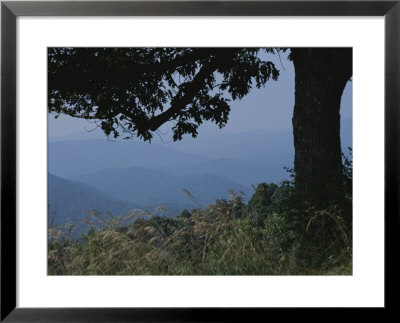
70	201
155	188
117	175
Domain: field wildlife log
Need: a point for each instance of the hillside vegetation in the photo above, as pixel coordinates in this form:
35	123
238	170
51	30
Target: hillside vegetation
273	234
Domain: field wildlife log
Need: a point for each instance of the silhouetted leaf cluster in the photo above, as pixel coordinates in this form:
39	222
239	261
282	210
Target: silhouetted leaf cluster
134	91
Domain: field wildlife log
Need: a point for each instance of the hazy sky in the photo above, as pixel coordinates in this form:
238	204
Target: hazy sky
266	108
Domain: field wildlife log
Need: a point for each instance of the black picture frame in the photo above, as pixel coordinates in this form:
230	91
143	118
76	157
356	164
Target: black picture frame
10	10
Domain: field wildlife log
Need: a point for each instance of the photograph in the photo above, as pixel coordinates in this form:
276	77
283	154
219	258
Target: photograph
199	161
192	161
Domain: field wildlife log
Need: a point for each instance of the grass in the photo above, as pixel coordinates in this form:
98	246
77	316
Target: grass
225	238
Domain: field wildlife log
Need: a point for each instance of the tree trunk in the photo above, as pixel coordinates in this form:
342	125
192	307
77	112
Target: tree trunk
320	77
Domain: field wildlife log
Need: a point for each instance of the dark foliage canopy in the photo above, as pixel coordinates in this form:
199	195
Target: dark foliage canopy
134	91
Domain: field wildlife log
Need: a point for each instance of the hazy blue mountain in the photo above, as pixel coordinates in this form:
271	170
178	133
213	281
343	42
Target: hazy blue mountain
243	172
154	188
79	135
237	145
70	201
265	153
77	157
271	149
156	174
234	145
248	158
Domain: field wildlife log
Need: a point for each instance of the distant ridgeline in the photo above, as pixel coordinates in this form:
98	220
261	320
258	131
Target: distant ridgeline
114	177
117	191
71	202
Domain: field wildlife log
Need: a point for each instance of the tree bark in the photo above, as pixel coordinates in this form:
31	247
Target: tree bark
320	77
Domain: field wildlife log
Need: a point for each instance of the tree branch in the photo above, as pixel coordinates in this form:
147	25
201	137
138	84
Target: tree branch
77	77
186	95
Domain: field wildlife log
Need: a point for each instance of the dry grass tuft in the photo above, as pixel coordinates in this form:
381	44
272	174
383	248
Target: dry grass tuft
220	239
